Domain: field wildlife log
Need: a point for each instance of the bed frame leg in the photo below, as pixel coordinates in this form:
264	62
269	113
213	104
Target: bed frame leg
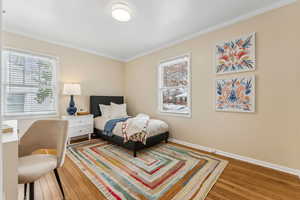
134	149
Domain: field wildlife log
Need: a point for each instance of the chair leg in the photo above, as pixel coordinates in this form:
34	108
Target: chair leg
25	191
31	191
59	182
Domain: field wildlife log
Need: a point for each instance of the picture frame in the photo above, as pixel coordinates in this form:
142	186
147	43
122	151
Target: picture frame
235	55
235	94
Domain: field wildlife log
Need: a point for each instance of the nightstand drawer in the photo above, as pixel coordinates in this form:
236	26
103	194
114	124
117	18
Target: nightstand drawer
80	130
80	125
80	121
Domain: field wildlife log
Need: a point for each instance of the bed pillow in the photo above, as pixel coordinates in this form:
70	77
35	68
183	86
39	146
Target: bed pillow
105	110
118	110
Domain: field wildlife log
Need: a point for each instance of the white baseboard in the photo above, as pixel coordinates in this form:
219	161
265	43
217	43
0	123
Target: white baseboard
238	157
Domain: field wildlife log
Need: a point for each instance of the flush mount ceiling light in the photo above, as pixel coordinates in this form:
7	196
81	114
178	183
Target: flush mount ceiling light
121	12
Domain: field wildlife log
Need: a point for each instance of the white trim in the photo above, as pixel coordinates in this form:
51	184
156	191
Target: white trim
216	27
159	106
56	61
239	157
163	46
33	53
63	44
25	117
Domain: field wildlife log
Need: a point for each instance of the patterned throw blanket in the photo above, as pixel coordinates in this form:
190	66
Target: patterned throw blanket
135	129
111	124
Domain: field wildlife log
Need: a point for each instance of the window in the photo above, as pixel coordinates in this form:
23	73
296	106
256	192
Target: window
174	86
29	84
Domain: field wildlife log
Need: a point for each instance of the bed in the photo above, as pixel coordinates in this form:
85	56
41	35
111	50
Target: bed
154	137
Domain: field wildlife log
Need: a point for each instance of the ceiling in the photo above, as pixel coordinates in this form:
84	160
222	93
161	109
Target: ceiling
88	25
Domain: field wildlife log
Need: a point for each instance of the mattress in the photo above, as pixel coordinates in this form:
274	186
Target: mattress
155	126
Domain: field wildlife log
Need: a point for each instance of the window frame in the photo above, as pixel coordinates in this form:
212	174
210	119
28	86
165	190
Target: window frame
160	87
4	81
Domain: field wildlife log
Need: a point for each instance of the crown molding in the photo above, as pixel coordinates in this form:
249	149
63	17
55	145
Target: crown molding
62	44
216	27
166	45
276	167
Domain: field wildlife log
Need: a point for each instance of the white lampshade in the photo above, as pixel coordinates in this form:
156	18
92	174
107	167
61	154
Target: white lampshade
72	89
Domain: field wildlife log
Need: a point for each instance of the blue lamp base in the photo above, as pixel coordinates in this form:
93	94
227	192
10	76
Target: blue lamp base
71	110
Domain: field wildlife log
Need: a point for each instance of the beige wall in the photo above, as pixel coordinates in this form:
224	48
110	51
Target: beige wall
97	75
2	196
271	134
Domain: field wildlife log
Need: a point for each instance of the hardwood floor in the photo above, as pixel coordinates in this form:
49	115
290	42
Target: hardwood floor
239	181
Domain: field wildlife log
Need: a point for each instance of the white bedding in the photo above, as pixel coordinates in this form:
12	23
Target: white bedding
155	126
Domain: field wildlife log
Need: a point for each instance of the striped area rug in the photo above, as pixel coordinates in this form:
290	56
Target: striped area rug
164	171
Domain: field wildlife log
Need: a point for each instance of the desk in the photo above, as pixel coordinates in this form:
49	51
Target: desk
10	161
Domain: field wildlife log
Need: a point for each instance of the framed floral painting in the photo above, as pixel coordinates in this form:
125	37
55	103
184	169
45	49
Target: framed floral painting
235	94
236	55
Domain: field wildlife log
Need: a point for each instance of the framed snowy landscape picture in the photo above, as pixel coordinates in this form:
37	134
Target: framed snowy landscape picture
174	86
236	55
235	94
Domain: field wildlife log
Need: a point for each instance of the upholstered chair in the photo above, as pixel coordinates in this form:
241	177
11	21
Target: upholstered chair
43	134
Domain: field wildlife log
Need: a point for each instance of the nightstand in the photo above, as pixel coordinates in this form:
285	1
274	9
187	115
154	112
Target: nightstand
80	125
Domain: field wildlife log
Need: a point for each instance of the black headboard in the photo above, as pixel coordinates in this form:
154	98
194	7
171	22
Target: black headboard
96	100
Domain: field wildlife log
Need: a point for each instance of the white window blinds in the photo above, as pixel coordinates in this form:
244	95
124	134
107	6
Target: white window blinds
30	86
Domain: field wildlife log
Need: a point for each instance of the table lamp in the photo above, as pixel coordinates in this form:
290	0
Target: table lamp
72	89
